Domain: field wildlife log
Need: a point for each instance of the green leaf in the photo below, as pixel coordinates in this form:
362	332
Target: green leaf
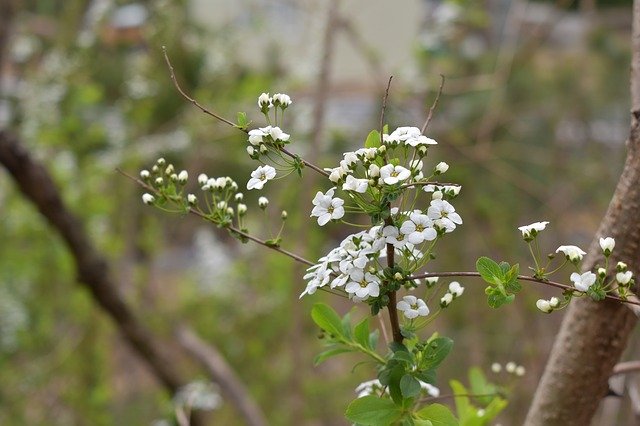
373	411
405	357
323	356
497	298
327	319
490	271
373	139
435	352
409	386
494	408
464	409
274	242
481	386
346	325
373	339
438	414
242	121
361	333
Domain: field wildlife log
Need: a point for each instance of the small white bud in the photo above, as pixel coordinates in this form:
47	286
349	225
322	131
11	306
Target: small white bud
446	300
251	151
169	170
554	302
496	367
222	205
144	174
624	277
543	305
456	289
284	215
263	202
161	162
183	176
239	196
621	266
263	149
173	177
230	211
607	245
374	170
159	181
155	169
441	168
520	371
602	272
437	195
398	276
431	281
202	179
242	209
264	102
192	199
148	198
511	367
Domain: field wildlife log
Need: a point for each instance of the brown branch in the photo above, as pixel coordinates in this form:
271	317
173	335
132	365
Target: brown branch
384	107
433	106
221	373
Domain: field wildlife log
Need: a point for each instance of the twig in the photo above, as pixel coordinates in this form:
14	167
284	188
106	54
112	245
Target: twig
520	277
305	162
626	367
384	107
189	98
433	106
460	395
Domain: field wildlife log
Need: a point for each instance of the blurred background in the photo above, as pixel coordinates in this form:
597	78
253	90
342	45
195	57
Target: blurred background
532	119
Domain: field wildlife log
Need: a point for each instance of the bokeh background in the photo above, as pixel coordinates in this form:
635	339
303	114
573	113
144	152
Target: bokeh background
532	119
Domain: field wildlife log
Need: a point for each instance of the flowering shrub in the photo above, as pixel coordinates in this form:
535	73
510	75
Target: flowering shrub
394	182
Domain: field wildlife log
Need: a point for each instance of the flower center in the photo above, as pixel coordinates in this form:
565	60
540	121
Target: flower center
330	209
263	176
419	228
394	174
364	283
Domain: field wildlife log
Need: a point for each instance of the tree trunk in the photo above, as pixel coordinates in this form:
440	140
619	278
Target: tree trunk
594	335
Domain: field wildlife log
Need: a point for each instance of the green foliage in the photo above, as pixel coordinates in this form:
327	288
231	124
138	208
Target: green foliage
486	394
373	139
373	411
502	279
437	415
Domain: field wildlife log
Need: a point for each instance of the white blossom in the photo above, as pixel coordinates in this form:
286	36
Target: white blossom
582	282
544	306
363	284
456	289
183	176
148	198
391	174
202	179
409	136
441	167
607	245
192	199
429	389
530	231
418	228
412	307
357	185
393	236
369	387
520	371
374	171
511	367
444	215
263	202
446	300
573	253
281	99
264	101
144	174
496	367
554	302
624	277
326	207
255	137
260	176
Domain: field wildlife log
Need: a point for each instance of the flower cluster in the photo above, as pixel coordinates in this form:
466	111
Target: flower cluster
510	367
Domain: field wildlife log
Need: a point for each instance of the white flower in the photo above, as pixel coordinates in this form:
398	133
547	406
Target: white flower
573	253
202	179
255	137
282	100
446	300
357	185
418	229
159	181
607	245
412	307
582	282
544	306
496	367
276	133
393	236
456	289
624	277
260	176
363	284
327	207
148	198
368	388
374	171
144	174
429	389
238	197
192	199
263	202
441	167
409	135
264	101
444	215
530	231
431	281
554	302
391	174
183	176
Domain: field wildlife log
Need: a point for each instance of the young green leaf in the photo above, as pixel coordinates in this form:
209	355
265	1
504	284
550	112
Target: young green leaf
464	409
373	411
438	414
361	333
409	386
323	356
373	139
490	271
241	118
435	352
327	319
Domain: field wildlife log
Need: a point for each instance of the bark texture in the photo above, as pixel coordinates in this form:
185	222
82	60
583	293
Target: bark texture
593	335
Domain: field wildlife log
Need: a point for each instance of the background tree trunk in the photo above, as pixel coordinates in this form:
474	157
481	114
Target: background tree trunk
594	335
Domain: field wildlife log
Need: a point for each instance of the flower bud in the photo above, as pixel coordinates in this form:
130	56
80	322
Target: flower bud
251	151
192	199
602	272
544	306
183	176
173	177
169	170
431	281
263	202
554	302
607	245
242	209
621	267
398	276
148	198
155	169
441	168
624	277
496	367
202	179
230	211
159	181
437	195
263	149
511	367
144	174
446	300
161	162
519	371
239	196
284	215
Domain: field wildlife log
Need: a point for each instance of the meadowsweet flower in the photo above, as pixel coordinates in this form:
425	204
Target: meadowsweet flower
357	185
412	307
544	306
263	202
441	167
607	245
529	232
444	215
327	207
583	282
281	100
573	253
148	198
393	236
456	289
260	176
363	284
418	228
391	174
624	277
409	136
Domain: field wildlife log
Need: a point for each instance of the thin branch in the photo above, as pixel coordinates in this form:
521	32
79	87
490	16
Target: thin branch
626	367
305	162
189	98
384	106
433	107
520	277
459	395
